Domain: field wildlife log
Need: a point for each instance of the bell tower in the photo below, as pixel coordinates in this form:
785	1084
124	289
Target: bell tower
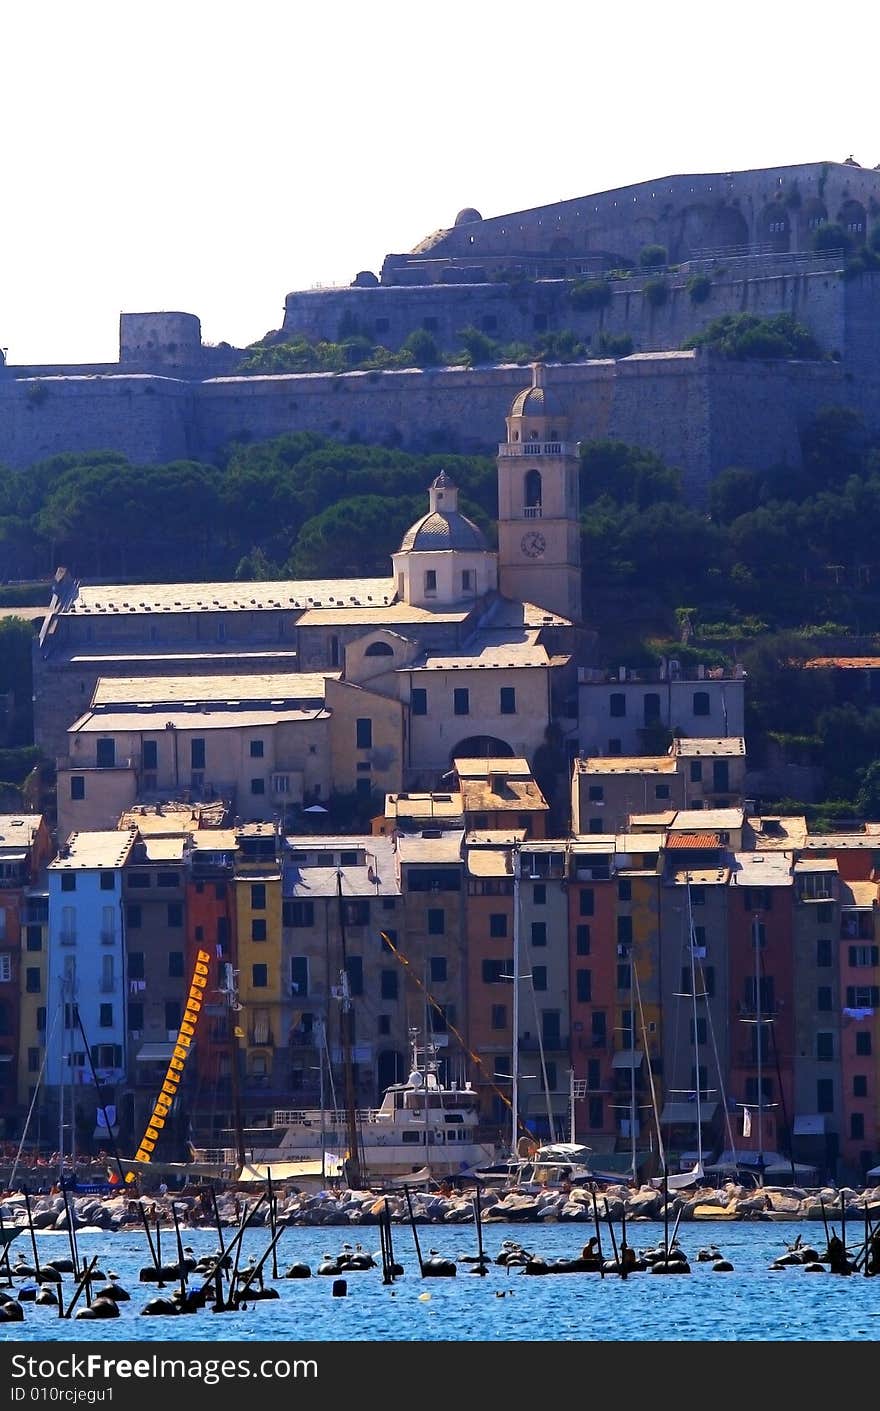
539	545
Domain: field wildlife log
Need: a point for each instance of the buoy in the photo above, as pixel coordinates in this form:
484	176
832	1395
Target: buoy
158	1307
814	1268
298	1271
671	1266
101	1308
47	1296
722	1266
423	1297
438	1268
165	1274
339	1289
49	1275
23	1271
28	1294
11	1313
64	1266
329	1266
114	1291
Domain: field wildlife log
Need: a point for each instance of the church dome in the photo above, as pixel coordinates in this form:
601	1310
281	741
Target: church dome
537	400
467	215
443	527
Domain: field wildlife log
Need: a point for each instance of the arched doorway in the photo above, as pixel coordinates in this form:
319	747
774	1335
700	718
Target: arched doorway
727	230
481	747
390	1068
774	227
854	219
532	493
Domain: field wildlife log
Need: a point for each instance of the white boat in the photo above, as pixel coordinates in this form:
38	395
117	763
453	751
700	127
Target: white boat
421	1123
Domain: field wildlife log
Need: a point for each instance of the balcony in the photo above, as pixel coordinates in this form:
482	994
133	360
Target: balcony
537	448
532	512
261	1038
78	766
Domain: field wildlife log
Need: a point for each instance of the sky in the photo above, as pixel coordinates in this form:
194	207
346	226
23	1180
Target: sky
209	157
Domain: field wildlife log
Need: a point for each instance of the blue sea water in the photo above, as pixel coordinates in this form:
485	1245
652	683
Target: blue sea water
752	1303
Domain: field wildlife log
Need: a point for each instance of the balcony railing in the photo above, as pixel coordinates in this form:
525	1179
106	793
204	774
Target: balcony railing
537	448
261	1038
67	762
532	511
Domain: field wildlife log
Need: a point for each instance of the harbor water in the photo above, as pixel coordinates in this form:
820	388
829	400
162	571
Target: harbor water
751	1303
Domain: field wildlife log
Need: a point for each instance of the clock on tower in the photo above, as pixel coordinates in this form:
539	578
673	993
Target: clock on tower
533	544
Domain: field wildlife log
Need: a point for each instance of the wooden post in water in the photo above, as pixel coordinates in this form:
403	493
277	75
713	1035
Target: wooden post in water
623	1242
412	1221
611	1230
219	1224
598	1233
180	1257
843	1222
825	1223
143	1214
272	1220
84	1283
27	1206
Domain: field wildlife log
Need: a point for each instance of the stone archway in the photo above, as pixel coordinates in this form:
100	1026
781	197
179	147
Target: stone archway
727	229
481	747
774	228
854	219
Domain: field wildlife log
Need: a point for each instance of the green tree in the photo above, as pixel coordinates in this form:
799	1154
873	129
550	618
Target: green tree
422	348
742	336
830	237
652	256
734	492
868	796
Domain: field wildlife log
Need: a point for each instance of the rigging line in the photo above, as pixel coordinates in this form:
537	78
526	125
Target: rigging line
27	1121
775	1047
727	1121
474	1057
660	1146
696	1046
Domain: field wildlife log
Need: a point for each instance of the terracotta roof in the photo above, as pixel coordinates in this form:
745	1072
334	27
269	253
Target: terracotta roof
693	841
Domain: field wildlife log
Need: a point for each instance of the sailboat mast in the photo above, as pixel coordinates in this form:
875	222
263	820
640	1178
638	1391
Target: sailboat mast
62	1078
232	1008
514	1082
345	1027
694	1018
758	1047
632	1068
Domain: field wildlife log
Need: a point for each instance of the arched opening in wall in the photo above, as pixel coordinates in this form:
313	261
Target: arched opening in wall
481	747
854	219
813	214
532	494
693	223
334	651
727	229
379	649
561	245
390	1068
774	228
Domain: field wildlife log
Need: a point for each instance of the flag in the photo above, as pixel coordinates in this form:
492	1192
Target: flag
747	1122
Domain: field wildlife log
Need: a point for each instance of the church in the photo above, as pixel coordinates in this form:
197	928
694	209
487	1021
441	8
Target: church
359	685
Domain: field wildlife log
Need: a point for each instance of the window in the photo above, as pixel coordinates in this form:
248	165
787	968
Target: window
363	788
508	700
108	882
615	746
498	924
135	965
861	957
68	881
586	902
256	749
167	879
582	940
298	913
77	787
384	1024
461	701
623	977
494	969
364	733
539	933
299	975
258	928
825	1047
41	1019
624	930
661	791
696	771
32	980
863	1044
136	1015
105	1016
595	1118
419	700
823	997
175	964
860	1085
175	913
258	896
354	968
258	786
824	911
499	1016
825	1095
617	704
539	894
356	911
436	921
172	1014
197	754
583	980
624	889
150	754
651	707
388	984
138	879
430	581
857	1125
34	938
702	704
823	952
438	968
33	1060
105	754
260	977
550	1028
539	977
701	1031
862	997
595	825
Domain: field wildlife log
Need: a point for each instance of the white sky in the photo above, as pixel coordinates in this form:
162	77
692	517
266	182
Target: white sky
211	157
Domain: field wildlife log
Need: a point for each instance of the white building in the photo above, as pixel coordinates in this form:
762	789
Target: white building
620	712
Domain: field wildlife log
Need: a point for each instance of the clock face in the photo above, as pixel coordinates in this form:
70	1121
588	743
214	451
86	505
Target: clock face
533	544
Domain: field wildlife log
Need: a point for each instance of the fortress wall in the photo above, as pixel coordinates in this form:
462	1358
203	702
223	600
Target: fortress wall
147	418
508	314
